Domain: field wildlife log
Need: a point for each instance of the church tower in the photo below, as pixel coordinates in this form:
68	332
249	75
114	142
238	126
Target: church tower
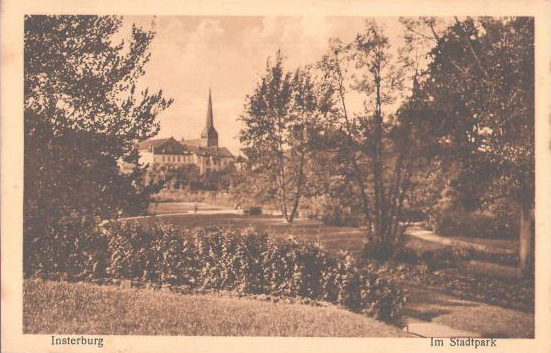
209	136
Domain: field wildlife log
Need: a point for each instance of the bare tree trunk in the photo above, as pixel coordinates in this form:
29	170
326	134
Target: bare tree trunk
526	198
300	182
378	182
282	187
357	175
283	205
525	239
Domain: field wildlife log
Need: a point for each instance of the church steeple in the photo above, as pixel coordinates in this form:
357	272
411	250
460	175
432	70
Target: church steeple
209	136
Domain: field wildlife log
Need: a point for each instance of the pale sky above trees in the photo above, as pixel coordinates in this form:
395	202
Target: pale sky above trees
229	54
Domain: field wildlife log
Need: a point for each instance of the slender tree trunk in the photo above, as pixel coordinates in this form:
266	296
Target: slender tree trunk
281	166
300	182
357	175
525	239
378	185
283	194
394	195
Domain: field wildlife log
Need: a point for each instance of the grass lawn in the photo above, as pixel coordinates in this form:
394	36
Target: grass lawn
64	308
494	245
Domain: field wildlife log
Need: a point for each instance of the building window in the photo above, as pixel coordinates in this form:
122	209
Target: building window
163	158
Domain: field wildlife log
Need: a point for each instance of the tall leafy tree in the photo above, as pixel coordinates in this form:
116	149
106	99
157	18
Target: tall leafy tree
281	122
374	150
481	83
83	116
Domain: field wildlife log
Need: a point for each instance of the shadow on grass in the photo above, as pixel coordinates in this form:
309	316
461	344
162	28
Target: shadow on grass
425	315
427	305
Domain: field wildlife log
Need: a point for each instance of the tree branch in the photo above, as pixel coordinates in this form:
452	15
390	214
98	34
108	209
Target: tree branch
471	50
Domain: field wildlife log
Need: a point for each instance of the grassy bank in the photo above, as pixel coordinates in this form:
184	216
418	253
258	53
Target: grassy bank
63	308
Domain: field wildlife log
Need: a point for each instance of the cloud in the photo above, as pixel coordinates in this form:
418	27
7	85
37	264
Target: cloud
202	41
190	53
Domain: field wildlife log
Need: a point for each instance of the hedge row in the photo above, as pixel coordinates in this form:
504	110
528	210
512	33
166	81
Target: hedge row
246	261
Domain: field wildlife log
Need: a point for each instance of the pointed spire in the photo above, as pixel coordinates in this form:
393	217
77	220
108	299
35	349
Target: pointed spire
209	136
210	122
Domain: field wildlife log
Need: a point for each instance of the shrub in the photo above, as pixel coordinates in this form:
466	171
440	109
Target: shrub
434	259
338	215
473	224
381	249
253	211
72	248
246	261
249	262
407	255
443	258
331	211
413	215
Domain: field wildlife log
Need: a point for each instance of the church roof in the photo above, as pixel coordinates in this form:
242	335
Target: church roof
220	152
171	146
183	147
194	146
192	143
163	146
145	145
224	152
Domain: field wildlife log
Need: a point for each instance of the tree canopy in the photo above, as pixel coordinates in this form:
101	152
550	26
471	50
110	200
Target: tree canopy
480	84
281	122
83	117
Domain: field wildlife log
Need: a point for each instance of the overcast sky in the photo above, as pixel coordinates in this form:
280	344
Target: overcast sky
189	54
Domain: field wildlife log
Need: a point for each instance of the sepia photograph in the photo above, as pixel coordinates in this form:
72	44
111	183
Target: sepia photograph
278	175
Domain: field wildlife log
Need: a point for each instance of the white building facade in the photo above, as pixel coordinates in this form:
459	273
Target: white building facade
204	152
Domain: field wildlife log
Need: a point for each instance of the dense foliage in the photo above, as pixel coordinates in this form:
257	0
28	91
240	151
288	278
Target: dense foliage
372	152
465	123
281	129
83	116
474	224
480	84
247	261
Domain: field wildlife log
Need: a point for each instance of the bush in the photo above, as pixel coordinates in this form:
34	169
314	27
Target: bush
338	215
413	215
443	258
434	259
70	248
331	211
381	249
474	224
407	255
246	261
253	211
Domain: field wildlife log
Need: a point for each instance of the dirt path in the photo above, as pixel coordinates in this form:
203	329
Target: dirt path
430	313
183	208
497	246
